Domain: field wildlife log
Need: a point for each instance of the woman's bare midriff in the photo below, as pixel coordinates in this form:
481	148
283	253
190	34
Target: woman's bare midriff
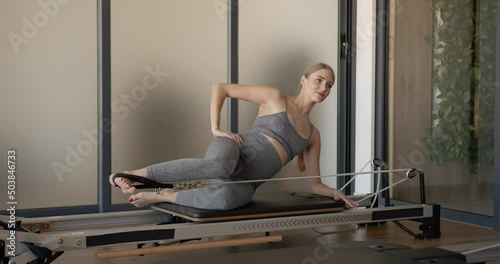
279	148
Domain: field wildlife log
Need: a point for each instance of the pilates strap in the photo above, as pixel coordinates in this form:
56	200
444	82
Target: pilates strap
145	183
141	182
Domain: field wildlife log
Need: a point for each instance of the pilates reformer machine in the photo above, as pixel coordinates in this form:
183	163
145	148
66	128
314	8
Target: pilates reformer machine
43	240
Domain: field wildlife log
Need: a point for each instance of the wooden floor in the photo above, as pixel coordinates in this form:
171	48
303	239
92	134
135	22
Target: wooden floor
452	233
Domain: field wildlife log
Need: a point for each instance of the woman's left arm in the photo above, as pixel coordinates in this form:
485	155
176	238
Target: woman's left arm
311	161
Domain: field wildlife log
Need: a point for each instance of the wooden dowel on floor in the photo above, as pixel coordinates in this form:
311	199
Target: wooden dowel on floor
187	247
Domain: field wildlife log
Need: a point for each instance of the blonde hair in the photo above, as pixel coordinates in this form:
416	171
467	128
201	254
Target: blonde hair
318	66
315	67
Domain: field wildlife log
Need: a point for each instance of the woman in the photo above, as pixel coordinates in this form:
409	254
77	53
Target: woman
281	131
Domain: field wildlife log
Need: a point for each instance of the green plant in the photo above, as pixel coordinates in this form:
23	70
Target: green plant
463	80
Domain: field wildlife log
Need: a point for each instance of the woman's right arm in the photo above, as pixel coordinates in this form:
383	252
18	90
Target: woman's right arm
264	96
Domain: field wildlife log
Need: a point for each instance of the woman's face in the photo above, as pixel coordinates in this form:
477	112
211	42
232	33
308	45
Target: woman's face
318	85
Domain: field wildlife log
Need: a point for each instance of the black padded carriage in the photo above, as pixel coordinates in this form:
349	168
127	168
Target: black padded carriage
263	205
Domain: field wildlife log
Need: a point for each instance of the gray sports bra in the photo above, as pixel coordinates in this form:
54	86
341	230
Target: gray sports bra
279	127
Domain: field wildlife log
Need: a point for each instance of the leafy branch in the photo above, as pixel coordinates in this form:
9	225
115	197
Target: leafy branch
463	76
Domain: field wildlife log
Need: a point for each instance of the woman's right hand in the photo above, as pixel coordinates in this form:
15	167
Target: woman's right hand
233	136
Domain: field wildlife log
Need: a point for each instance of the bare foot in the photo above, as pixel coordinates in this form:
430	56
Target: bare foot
147	198
124	184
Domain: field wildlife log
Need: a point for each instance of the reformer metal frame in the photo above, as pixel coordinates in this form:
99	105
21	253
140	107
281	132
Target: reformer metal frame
55	243
42	240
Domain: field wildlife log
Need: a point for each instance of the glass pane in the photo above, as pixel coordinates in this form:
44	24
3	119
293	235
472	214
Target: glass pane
48	106
443	75
275	50
165	57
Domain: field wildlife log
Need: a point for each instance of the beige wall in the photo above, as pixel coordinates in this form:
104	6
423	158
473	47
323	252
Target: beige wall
279	39
48	106
187	41
48	84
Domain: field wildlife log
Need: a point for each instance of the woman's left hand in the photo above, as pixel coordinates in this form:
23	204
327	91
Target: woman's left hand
339	195
233	136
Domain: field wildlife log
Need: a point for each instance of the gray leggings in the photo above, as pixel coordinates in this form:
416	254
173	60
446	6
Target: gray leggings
255	159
